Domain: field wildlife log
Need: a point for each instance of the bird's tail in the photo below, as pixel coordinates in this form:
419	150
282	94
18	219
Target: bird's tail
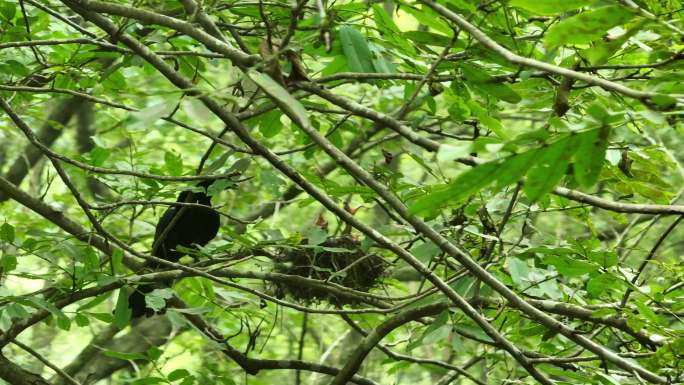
136	301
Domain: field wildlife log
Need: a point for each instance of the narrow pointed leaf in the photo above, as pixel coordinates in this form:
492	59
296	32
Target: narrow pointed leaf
590	156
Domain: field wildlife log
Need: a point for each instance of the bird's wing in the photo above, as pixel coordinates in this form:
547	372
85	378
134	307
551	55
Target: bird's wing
164	221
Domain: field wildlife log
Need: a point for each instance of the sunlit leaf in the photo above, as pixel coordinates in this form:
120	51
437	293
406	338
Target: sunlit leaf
587	26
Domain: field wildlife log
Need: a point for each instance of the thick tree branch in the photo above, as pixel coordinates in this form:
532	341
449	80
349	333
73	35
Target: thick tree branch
61	114
376	335
16	375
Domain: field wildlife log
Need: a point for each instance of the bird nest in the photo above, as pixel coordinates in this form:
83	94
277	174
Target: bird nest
337	260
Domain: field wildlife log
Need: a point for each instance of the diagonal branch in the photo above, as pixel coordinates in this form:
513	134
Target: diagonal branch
486	41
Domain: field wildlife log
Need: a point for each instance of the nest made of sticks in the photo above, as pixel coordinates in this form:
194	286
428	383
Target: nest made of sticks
337	260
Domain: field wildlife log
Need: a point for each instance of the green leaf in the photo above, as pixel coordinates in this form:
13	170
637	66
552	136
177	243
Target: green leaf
240	165
99	155
519	270
156	299
590	156
426	251
603	50
428	38
587	26
173	163
430	18
7	232
604	258
478	77
8	10
389	30
8	262
550	166
148	381
356	50
570	267
282	98
515	167
178	374
316	236
122	313
464	185
104	317
647	312
549	7
599	284
437	330
81	320
143	119
218	162
270	124
487	121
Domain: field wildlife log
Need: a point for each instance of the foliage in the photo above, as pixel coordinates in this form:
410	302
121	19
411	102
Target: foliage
516	161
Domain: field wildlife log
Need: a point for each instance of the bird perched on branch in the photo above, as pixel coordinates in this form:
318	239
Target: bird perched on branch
185	226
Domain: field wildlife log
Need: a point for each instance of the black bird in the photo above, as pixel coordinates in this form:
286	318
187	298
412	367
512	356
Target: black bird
187	226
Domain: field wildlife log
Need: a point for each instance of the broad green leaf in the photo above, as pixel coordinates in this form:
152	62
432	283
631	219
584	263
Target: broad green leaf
178	374
663	102
7	232
551	165
599	284
604	258
173	163
568	266
143	119
426	251
515	167
99	155
338	64
430	18
647	312
355	48
464	185
603	50
607	379
587	26
270	124
283	99
478	77
104	317
8	10
316	236
240	165
81	320
549	7
218	162
389	30
122	313
63	322
519	270
428	38
156	300
8	262
590	156
438	329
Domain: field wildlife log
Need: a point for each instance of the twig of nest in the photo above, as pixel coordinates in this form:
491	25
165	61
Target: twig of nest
337	260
